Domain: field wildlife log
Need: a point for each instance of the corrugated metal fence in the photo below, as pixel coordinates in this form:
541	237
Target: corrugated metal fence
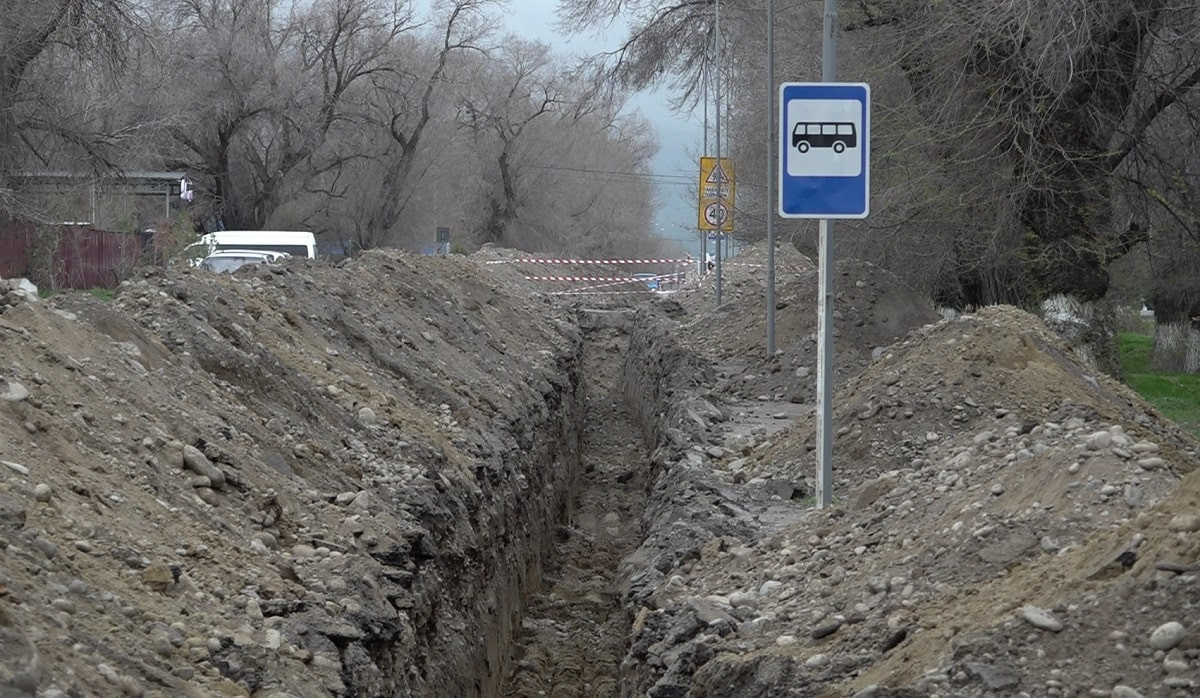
71	256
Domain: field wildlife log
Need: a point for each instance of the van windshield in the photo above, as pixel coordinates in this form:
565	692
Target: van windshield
231	263
294	250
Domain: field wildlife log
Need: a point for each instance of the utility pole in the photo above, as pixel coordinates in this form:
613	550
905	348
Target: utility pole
772	144
703	268
824	487
720	182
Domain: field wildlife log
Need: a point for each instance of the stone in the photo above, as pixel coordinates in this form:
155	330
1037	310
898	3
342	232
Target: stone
871	491
995	677
784	489
47	546
1099	440
157	576
12	391
1009	549
1187	522
1041	619
1167	635
826	629
817	661
769	587
195	460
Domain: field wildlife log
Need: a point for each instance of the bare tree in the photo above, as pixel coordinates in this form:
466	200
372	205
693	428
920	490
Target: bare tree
44	35
514	87
1004	133
589	191
1160	189
404	106
224	61
1049	99
266	86
348	116
669	43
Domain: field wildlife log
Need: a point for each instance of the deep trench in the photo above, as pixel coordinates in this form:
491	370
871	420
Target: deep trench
571	638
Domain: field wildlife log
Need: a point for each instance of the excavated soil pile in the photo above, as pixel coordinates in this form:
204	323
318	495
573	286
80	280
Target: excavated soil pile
310	480
872	309
1006	521
280	482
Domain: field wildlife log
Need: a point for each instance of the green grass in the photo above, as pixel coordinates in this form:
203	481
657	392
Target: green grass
1176	395
104	294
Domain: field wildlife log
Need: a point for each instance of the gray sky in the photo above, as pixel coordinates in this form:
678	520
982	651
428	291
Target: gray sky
677	166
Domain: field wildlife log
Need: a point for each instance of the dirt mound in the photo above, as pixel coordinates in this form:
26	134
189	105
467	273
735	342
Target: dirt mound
872	309
312	480
275	481
1006	522
993	369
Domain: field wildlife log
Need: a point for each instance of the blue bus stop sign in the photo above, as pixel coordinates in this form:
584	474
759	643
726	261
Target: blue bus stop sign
825	156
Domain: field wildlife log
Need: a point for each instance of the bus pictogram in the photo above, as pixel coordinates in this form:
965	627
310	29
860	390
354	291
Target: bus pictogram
824	134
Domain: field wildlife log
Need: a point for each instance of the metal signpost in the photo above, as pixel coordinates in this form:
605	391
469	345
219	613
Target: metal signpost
771	126
824	173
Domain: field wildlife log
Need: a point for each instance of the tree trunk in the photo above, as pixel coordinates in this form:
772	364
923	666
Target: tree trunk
1176	346
1177	322
1089	329
503	207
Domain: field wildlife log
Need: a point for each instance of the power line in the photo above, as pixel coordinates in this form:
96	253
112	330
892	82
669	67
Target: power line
674	180
655	178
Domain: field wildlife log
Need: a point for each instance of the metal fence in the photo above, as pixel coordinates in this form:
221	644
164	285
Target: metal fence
70	256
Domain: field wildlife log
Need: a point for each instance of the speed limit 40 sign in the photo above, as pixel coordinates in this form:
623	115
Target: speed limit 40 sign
717	190
715	215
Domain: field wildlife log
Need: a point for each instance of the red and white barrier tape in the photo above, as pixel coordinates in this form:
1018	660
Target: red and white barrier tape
619	261
598	293
590	261
626	279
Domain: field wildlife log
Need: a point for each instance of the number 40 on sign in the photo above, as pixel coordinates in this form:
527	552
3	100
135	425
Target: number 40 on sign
717	192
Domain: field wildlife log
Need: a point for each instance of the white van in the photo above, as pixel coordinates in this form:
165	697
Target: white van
294	243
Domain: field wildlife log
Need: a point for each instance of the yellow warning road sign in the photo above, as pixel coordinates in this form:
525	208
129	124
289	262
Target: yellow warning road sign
717	189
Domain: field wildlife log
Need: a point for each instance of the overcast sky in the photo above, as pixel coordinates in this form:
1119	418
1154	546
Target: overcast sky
677	165
676	168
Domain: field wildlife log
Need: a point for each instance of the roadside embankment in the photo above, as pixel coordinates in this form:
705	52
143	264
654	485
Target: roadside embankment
294	481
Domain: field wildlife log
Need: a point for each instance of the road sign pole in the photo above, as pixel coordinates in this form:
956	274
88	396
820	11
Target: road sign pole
717	102
824	489
771	145
824	493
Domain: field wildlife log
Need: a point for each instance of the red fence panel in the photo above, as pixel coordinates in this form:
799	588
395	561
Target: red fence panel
83	258
87	257
15	239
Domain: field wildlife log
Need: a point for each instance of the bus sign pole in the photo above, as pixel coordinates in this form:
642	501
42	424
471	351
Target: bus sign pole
824	173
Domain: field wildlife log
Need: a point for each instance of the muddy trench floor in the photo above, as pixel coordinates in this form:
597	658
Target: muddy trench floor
572	638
